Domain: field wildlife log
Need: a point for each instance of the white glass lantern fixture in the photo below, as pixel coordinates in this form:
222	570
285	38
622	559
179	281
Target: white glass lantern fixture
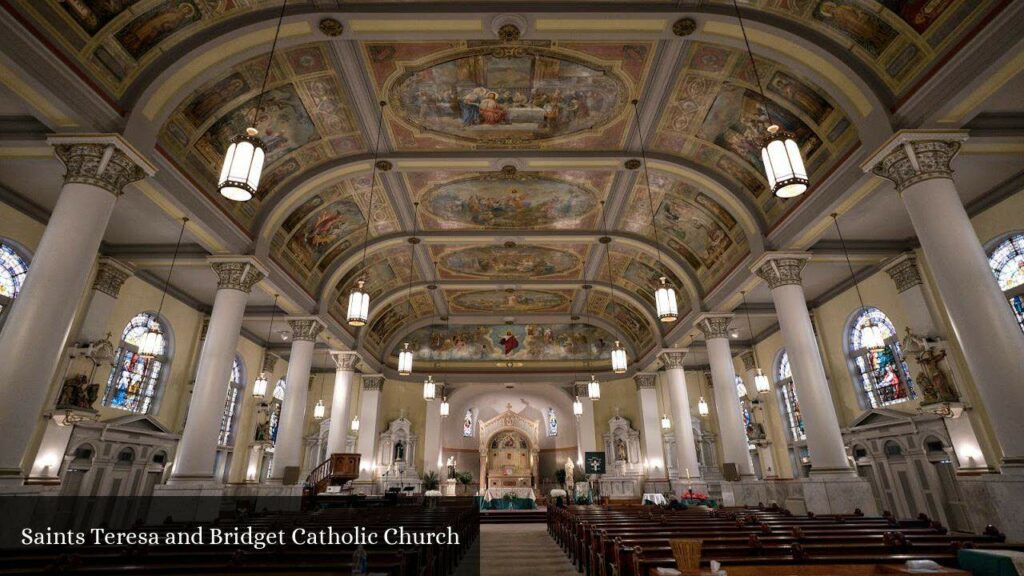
577	407
355	424
358	305
619	361
741	389
761	382
666	423
259	387
318	410
665	300
594	388
445	409
429	389
243	164
872	337
783	164
151	342
405	360
702	407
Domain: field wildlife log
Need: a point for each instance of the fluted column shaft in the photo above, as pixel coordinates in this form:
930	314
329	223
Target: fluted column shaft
337	435
682	422
918	163
288	448
723	375
33	339
197	449
369	413
650	424
824	438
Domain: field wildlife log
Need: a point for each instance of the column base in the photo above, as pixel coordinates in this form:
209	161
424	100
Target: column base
996	499
283	495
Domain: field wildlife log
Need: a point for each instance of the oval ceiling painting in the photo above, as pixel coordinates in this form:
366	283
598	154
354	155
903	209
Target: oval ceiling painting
509	261
521	202
508	96
508	301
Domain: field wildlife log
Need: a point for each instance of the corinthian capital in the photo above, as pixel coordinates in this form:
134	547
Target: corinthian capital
305	327
110	276
747	357
373	382
912	156
645	380
904	272
714	325
107	161
345	360
673	357
780	268
237	272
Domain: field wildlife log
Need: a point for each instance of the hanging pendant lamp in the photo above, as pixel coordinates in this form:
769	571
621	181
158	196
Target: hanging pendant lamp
243	162
761	384
319	409
152	342
445	409
359	298
664	295
666	422
355	423
619	361
577	407
259	387
594	388
405	356
873	338
429	389
405	361
702	407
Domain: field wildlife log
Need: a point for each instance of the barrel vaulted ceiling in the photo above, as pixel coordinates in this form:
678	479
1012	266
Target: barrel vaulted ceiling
509	202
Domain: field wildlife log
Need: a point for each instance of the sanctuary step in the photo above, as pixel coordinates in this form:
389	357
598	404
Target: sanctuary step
513	516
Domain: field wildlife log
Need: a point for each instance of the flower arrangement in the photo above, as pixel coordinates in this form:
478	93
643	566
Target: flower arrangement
697	496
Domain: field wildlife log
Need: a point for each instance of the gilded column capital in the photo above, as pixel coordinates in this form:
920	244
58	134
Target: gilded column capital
780	268
373	382
904	272
237	272
111	275
673	357
107	161
645	380
747	357
714	325
912	156
344	360
305	327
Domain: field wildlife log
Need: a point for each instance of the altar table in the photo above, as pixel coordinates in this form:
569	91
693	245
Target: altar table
524	493
654	498
991	562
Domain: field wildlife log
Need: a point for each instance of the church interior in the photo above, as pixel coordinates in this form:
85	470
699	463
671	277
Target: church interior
614	276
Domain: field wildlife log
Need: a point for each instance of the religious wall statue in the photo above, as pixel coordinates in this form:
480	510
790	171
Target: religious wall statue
399	452
932	379
570	469
451	467
620	450
262	424
77	392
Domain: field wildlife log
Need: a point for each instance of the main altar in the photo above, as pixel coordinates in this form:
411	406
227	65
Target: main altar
509	456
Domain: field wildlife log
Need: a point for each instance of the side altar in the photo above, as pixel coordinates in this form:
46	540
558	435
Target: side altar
396	457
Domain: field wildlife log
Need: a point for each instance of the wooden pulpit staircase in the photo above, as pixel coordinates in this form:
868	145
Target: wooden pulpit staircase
337	470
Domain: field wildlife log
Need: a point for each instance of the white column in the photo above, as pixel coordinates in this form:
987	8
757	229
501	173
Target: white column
337	436
288	448
586	430
369	413
723	374
682	424
918	163
106	286
432	439
197	449
33	339
757	410
781	270
650	425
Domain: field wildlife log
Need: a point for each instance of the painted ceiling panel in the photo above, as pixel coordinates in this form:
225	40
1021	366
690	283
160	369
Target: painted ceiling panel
509	301
510	262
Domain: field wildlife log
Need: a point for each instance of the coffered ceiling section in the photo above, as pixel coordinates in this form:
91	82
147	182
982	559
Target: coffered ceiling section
541	95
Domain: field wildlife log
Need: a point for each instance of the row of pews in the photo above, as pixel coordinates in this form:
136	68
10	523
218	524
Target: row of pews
310	560
634	540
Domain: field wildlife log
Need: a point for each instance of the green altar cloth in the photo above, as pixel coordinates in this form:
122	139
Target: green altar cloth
991	562
505	504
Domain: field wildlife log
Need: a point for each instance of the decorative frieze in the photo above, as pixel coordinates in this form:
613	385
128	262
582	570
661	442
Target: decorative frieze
780	268
714	325
237	273
344	360
305	328
106	161
645	380
904	272
110	276
373	382
673	358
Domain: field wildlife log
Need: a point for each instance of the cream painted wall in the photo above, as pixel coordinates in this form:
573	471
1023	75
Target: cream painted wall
619	394
408	396
767	350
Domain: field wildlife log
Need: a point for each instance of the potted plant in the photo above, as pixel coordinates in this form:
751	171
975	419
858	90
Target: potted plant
560	477
464	478
431	481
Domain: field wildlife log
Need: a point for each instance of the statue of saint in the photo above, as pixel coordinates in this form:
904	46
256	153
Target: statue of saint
570	469
620	450
451	467
399	452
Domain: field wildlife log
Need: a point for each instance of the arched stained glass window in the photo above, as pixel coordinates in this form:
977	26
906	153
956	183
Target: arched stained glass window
552	422
229	418
1007	262
881	374
135	380
467	424
275	408
787	397
13	269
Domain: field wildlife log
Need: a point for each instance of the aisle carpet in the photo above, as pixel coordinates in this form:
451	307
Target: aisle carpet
520	550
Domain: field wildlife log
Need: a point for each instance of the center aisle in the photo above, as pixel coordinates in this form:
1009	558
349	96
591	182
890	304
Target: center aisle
520	549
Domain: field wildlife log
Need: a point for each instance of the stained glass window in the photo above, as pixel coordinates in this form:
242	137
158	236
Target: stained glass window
467	424
275	408
229	418
134	380
787	393
552	422
12	275
748	425
881	374
1007	262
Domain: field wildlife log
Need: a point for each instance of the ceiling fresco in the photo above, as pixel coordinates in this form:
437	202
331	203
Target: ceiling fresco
690	224
304	121
509	301
445	95
394	316
716	117
628	319
464	346
327	225
510	262
639	274
509	199
384	271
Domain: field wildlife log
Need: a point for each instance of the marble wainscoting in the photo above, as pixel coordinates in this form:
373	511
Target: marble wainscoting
622	487
827	494
996	499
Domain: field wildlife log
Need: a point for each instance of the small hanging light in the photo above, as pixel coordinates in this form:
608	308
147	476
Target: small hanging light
405	360
243	163
355	424
619	361
577	407
761	382
429	389
359	299
444	407
594	388
741	388
152	342
666	422
259	387
358	305
319	409
872	335
702	407
665	300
